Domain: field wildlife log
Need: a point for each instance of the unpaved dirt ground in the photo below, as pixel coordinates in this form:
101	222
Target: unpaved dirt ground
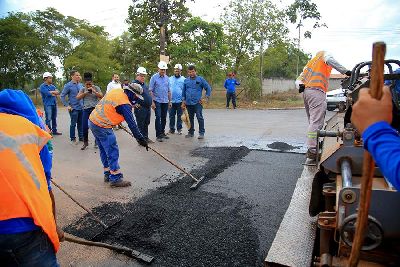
160	200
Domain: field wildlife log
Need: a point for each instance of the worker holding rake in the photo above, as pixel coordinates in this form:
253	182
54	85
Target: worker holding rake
113	109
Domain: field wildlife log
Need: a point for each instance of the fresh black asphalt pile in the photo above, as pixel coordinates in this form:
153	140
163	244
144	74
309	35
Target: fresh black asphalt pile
181	227
281	146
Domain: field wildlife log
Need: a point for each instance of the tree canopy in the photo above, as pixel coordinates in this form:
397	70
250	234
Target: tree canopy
46	40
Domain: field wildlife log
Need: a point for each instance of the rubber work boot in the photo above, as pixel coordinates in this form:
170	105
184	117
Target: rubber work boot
120	183
85	145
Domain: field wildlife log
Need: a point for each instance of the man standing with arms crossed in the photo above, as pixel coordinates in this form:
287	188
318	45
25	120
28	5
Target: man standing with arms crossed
313	82
192	94
161	95
230	86
176	87
49	97
71	89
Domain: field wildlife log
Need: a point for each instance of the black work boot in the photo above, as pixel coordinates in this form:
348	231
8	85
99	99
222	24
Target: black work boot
85	145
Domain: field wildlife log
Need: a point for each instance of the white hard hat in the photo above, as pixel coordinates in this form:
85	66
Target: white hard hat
178	67
47	74
162	65
141	70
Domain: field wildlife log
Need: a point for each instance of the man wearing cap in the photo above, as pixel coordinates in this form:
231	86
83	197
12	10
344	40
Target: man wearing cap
143	107
49	97
192	99
113	109
176	86
161	95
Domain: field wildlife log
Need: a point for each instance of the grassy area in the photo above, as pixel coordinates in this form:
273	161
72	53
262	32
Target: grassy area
288	99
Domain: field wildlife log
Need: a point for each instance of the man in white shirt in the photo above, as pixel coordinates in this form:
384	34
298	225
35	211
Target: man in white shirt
114	84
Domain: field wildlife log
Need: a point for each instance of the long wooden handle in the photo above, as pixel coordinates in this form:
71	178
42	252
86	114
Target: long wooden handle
163	156
79	204
378	59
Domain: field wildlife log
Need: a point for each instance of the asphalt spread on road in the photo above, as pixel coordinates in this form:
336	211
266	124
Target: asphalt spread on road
183	227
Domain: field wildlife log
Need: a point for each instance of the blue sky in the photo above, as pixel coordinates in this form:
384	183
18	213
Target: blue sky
353	25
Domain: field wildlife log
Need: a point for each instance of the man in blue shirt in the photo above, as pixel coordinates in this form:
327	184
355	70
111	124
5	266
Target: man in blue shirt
176	87
49	97
192	94
143	107
161	95
230	86
372	118
71	89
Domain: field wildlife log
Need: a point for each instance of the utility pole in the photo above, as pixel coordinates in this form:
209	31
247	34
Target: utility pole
162	8
261	63
298	49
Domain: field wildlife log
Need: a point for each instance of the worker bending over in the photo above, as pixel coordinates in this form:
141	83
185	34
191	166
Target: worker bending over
28	232
114	108
372	118
313	82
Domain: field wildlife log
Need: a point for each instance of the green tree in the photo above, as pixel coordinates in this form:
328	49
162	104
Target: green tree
93	54
281	60
248	23
202	45
145	20
22	57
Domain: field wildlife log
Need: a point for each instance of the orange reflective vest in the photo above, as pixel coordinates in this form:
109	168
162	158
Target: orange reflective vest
316	73
104	115
24	191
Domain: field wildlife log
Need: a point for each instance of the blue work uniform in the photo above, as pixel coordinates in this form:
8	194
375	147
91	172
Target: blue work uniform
71	90
49	105
383	142
191	94
143	110
176	87
22	233
159	86
230	86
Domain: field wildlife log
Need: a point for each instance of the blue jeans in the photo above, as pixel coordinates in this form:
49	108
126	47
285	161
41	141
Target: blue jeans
107	142
161	117
176	109
143	116
51	117
32	248
198	110
85	123
76	121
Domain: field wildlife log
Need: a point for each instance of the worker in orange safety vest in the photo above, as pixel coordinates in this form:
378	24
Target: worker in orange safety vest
114	108
313	83
29	235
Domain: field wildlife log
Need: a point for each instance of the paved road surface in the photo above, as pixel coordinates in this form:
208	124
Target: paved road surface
273	175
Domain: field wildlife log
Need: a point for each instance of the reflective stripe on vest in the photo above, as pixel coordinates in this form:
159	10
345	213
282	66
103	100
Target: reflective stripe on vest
316	73
104	115
24	192
14	143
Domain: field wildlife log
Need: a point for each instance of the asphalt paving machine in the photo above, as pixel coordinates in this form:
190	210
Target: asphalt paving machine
336	186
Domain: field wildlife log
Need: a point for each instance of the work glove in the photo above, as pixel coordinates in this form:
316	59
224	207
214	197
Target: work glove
143	142
136	88
348	73
301	88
